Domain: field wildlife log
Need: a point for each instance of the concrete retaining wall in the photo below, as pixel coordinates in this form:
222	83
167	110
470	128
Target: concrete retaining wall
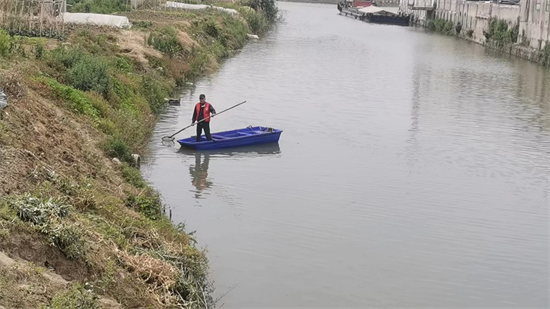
532	16
534	26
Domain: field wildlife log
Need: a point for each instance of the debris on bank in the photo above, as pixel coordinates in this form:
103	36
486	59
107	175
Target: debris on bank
187	6
97	19
3	100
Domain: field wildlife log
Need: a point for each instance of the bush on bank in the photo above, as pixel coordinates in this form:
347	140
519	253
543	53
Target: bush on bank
499	32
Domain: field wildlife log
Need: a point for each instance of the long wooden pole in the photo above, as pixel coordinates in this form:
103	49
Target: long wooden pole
171	137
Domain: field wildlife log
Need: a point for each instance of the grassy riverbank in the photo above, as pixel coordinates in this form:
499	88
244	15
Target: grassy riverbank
81	230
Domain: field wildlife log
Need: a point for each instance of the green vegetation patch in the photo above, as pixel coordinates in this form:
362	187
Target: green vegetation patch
442	26
500	33
47	215
76	297
546	55
99	6
76	99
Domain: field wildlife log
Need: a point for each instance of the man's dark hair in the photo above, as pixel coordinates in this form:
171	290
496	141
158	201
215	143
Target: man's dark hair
202	96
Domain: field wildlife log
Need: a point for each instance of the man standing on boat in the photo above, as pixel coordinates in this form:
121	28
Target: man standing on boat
203	110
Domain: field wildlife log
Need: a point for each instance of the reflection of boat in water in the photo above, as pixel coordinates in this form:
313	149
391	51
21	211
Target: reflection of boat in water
253	150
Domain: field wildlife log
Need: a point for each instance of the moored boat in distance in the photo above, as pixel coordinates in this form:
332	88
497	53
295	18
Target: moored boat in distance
368	11
234	138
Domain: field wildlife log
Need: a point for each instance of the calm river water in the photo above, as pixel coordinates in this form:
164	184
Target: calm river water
413	170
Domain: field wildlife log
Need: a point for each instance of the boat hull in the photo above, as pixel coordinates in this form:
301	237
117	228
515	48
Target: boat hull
395	20
234	138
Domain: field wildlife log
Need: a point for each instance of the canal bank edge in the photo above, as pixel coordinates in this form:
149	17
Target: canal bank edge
521	29
67	207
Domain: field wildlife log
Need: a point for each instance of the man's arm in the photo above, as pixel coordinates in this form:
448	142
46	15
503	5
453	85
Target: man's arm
194	115
212	110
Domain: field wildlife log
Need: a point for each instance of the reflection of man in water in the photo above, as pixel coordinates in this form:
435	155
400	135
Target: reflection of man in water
199	172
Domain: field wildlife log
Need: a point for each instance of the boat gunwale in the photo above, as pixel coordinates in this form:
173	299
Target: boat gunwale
191	142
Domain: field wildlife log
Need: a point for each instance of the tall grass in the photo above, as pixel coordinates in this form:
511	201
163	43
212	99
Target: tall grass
166	41
442	26
257	22
5	43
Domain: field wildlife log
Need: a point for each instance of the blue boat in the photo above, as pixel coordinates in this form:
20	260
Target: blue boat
234	138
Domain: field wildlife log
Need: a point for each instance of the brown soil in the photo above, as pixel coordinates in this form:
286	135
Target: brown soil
42	134
132	43
33	247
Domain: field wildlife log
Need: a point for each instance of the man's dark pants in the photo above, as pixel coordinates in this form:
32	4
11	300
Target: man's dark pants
206	126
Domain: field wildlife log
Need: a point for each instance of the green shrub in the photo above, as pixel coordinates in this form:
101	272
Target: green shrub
155	94
441	26
222	35
90	73
499	32
148	203
198	64
76	297
5	43
66	57
234	34
124	64
77	100
267	7
69	241
133	177
448	29
115	147
123	92
166	41
132	125
7	212
106	126
257	22
211	28
39	50
156	63
17	46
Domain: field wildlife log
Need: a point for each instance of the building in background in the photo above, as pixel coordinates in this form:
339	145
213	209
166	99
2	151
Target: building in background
532	16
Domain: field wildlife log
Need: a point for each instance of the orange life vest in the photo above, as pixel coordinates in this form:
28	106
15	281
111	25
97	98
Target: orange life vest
206	111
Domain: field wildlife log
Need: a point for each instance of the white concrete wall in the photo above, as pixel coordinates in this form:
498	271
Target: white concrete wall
533	17
534	27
